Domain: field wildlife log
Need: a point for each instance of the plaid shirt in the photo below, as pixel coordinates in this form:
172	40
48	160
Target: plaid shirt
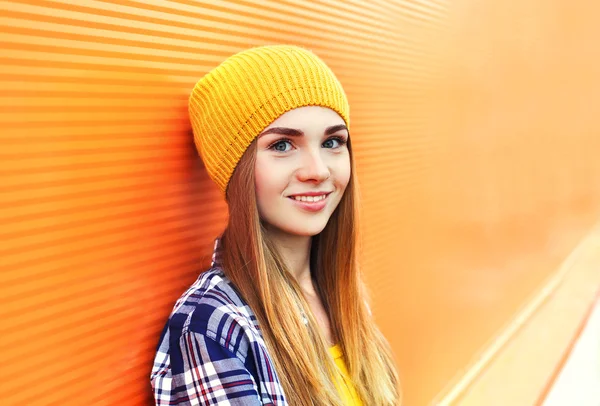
211	351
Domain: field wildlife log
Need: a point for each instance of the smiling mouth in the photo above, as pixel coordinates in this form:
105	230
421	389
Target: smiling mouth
310	199
311	203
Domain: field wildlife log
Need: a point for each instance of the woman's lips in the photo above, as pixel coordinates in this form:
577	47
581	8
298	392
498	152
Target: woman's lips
311	206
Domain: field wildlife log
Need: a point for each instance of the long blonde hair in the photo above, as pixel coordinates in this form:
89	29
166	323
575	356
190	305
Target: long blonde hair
300	354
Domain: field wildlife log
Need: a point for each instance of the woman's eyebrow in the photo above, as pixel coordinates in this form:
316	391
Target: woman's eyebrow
292	132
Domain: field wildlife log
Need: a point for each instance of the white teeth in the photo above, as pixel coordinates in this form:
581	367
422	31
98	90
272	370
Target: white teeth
309	198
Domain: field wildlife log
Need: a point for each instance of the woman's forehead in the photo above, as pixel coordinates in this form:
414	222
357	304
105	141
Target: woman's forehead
308	117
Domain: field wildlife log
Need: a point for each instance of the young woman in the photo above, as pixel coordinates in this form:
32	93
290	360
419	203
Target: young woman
282	315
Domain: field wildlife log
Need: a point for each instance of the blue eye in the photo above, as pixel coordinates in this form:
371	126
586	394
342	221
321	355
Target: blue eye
339	140
330	143
279	143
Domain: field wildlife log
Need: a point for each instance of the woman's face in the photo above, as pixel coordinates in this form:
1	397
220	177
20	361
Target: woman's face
303	152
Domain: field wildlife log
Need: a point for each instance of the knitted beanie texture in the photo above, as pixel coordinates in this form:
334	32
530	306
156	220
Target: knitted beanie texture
237	100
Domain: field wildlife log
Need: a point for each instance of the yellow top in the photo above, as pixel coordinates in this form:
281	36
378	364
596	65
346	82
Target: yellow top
346	388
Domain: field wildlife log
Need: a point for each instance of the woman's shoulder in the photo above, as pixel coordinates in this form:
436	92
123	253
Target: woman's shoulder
211	329
212	306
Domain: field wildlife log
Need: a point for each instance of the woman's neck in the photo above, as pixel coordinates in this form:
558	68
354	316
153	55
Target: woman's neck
296	252
295	249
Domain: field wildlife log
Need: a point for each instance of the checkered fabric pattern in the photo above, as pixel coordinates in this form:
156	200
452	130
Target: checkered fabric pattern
211	351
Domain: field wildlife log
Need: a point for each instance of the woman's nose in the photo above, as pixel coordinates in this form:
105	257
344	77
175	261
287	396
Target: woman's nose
313	167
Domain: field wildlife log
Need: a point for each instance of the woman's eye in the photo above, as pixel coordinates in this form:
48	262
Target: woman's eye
334	140
331	143
279	146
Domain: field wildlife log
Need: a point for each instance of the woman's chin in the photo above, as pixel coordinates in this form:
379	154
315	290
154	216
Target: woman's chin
305	229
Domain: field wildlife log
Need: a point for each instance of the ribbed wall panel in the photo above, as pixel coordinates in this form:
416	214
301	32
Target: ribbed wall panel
475	140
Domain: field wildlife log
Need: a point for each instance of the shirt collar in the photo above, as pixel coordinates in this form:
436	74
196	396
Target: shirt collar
216	256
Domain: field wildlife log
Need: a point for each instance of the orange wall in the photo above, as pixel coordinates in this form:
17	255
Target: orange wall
476	136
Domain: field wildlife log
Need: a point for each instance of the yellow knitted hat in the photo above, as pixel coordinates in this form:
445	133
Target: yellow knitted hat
238	99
